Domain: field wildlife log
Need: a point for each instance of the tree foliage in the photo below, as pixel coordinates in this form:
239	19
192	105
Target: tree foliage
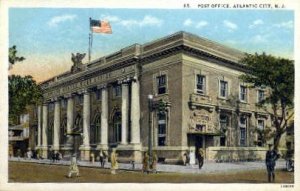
276	75
12	57
23	91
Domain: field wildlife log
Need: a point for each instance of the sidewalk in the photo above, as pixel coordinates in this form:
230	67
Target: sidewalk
208	167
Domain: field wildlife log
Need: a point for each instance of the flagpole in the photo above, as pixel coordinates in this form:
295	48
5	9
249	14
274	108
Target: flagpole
90	42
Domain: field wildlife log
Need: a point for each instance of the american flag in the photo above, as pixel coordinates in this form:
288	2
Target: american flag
98	26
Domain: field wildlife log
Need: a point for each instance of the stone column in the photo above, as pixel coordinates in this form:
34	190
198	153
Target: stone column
56	130
39	115
70	119
44	131
104	119
85	147
135	113
124	113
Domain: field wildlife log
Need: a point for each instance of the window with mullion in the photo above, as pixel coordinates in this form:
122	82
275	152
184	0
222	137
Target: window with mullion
243	130
243	93
161	84
200	84
162	131
223	88
260	95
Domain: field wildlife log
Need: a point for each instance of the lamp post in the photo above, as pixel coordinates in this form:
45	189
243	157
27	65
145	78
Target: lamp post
150	107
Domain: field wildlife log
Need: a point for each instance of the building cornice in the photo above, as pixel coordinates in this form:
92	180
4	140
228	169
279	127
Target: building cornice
136	54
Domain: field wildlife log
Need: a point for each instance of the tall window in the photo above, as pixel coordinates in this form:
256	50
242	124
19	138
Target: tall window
243	93
63	130
243	131
161	84
260	95
117	127
223	88
260	126
223	127
117	91
200	84
95	130
50	133
98	94
162	125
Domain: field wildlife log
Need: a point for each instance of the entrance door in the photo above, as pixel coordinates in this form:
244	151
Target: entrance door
198	145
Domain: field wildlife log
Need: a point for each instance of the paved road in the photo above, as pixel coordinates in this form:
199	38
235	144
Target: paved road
208	167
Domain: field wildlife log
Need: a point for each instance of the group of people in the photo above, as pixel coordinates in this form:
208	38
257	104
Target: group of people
56	156
199	156
149	165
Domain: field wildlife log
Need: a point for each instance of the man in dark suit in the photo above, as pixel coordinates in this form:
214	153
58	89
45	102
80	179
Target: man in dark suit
271	157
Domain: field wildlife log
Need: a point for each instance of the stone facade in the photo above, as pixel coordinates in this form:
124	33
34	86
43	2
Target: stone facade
106	101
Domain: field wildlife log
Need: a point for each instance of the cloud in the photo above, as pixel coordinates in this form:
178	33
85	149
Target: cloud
188	22
54	21
287	25
257	39
256	23
230	25
110	18
148	20
201	24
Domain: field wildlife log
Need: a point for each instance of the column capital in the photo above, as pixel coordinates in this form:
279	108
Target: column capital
83	91
102	86
67	96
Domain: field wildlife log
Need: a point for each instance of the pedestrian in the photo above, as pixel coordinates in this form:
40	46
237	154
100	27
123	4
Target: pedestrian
73	169
102	158
271	157
154	162
114	162
187	158
58	156
200	157
29	154
145	163
53	156
19	154
39	154
184	158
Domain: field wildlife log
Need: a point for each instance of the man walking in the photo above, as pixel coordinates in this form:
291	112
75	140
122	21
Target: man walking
200	157
271	157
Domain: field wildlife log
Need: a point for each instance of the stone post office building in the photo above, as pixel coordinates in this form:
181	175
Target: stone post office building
208	106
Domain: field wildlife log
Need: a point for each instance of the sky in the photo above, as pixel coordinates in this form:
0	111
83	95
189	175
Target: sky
46	37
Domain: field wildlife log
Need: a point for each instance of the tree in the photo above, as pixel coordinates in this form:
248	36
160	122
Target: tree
277	75
12	57
23	91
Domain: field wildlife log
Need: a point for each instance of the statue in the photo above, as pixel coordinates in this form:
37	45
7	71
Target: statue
77	62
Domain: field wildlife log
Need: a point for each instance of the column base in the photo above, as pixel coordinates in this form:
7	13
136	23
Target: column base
103	147
85	152
44	152
55	148
130	152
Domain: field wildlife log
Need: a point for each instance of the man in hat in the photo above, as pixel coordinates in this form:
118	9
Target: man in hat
73	169
114	161
271	157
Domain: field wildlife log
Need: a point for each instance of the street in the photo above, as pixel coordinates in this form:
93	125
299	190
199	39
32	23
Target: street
19	172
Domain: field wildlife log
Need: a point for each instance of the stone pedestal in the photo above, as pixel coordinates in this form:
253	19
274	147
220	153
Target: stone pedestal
85	153
44	151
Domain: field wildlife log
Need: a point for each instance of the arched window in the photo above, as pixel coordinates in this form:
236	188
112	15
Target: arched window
95	130
78	123
63	130
50	133
117	127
